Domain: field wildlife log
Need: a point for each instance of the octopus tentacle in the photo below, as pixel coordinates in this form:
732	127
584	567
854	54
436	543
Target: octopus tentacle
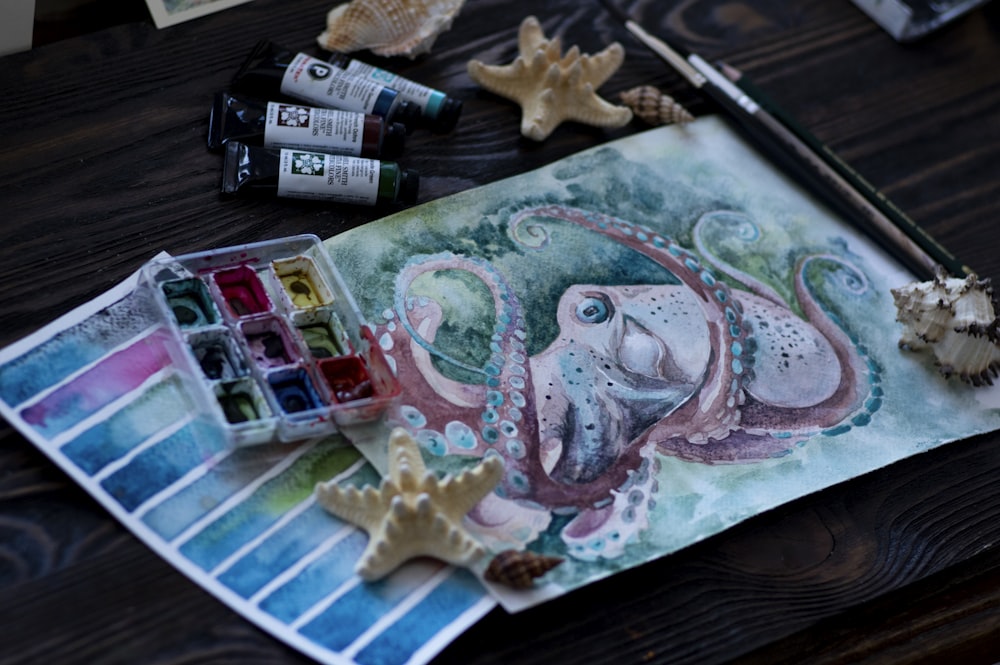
772	431
742	228
852	366
790	423
496	404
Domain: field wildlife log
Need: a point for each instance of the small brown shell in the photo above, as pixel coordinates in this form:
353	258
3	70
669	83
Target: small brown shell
654	107
518	569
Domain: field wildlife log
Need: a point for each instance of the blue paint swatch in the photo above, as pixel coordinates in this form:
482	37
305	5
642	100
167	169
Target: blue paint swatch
279	552
418	626
321	578
158	467
158	407
360	607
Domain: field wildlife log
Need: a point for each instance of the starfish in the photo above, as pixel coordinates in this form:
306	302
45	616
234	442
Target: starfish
413	512
551	88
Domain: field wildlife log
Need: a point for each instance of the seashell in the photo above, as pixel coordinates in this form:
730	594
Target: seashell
656	108
956	320
552	88
388	27
518	569
413	512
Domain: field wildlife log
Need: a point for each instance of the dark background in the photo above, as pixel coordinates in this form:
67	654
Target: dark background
103	164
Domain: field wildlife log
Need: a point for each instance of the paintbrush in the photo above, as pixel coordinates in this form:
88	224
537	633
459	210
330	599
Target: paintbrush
913	247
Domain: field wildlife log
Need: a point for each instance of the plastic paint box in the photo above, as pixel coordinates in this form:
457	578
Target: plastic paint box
268	340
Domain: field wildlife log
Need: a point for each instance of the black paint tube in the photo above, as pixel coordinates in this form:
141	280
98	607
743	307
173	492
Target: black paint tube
438	111
271	71
291	125
299	174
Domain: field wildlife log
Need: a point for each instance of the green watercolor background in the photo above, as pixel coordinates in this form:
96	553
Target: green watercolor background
667	178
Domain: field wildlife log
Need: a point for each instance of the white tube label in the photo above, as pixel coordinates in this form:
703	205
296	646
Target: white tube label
339	178
325	130
408	90
320	83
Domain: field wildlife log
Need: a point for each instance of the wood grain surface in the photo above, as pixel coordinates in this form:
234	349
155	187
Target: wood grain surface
103	163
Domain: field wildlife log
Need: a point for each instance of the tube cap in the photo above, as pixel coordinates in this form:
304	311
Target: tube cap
406	113
447	116
408	186
393	140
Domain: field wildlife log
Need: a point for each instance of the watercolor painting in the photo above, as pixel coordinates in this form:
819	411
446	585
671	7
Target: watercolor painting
172	12
660	337
98	393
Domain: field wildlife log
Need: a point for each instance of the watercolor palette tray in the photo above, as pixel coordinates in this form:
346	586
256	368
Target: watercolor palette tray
271	344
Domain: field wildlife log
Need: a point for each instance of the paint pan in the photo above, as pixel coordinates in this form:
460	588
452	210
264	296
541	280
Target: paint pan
322	332
294	391
301	283
190	303
217	354
363	383
248	330
304	410
347	377
242	291
242	402
269	343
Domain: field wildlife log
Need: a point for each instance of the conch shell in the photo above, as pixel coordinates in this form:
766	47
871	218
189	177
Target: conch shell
956	320
388	27
656	108
551	87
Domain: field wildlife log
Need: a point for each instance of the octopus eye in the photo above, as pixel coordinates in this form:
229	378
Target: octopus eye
595	309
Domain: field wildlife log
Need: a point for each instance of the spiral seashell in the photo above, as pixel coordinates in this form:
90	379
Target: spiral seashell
654	107
388	27
956	320
518	569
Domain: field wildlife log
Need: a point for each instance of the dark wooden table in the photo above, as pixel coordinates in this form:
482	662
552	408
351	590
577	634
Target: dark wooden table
103	163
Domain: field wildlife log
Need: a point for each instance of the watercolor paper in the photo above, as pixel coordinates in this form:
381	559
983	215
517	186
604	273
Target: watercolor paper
96	391
661	336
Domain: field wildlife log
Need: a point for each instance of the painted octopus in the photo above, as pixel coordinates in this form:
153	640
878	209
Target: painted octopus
695	370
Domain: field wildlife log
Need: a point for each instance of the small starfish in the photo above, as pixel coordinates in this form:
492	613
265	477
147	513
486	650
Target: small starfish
550	88
413	512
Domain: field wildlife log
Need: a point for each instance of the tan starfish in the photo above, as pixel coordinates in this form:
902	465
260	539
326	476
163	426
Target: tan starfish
551	88
413	512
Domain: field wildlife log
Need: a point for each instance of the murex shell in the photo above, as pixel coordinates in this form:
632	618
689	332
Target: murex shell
388	27
956	320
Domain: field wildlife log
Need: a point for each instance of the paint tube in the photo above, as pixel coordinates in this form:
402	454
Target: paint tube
270	71
283	125
299	174
439	112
